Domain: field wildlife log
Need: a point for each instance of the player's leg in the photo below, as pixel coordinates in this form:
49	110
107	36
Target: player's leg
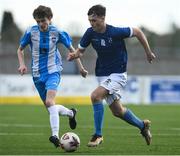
53	117
127	115
53	112
71	113
48	100
52	83
115	85
96	97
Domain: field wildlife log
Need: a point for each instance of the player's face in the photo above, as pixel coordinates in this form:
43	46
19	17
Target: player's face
43	23
97	22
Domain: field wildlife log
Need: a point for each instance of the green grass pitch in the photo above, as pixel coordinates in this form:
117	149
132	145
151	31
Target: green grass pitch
24	130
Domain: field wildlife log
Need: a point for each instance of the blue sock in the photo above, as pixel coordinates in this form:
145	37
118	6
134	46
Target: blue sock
132	119
98	117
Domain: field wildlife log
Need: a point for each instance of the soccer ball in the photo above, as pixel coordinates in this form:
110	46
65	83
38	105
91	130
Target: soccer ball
69	142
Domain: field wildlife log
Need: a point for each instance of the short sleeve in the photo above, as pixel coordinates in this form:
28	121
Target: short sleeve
25	39
124	32
65	39
85	40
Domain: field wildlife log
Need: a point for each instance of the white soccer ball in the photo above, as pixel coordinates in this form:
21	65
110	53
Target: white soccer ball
69	142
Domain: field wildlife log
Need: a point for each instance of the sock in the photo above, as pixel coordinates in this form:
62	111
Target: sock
132	119
54	120
64	111
98	117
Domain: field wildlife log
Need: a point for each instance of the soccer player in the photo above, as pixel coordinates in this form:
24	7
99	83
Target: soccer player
47	65
111	65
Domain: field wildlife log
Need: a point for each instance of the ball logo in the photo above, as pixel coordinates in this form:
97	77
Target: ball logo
65	137
74	142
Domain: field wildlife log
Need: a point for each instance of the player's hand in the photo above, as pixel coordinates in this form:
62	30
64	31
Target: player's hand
22	69
83	72
150	56
71	56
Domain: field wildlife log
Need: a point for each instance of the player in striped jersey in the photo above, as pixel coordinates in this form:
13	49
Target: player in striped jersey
47	65
108	42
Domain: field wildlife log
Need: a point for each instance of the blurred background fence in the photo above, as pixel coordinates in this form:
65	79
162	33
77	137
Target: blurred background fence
167	62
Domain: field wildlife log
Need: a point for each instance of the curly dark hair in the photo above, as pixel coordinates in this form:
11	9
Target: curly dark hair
98	10
42	12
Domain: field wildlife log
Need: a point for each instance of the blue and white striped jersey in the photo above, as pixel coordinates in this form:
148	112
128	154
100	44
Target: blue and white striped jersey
46	58
110	48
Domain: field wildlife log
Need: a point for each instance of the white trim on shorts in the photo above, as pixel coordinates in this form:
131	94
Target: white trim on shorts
115	84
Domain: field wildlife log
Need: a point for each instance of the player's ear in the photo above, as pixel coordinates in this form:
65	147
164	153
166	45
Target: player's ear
49	18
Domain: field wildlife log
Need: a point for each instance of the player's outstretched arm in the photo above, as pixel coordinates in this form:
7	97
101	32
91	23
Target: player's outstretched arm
74	54
82	70
143	40
22	67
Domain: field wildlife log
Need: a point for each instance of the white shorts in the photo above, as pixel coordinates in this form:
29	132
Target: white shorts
115	84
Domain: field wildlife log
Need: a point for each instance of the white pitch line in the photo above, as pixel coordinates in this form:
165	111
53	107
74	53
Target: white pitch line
175	129
22	125
24	134
166	134
82	126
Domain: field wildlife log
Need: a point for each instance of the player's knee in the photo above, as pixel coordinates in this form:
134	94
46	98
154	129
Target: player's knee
95	97
48	102
118	113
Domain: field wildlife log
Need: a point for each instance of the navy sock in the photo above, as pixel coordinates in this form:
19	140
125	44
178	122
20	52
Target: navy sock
132	119
98	117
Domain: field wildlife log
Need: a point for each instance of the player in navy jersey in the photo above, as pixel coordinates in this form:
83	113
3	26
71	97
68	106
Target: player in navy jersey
111	66
47	65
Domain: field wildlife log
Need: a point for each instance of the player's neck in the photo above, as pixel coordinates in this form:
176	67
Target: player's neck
103	29
44	30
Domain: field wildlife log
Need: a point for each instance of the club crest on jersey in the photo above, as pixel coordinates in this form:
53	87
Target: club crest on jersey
53	39
103	43
110	40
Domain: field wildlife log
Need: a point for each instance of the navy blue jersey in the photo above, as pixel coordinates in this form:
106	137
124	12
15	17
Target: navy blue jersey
110	48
